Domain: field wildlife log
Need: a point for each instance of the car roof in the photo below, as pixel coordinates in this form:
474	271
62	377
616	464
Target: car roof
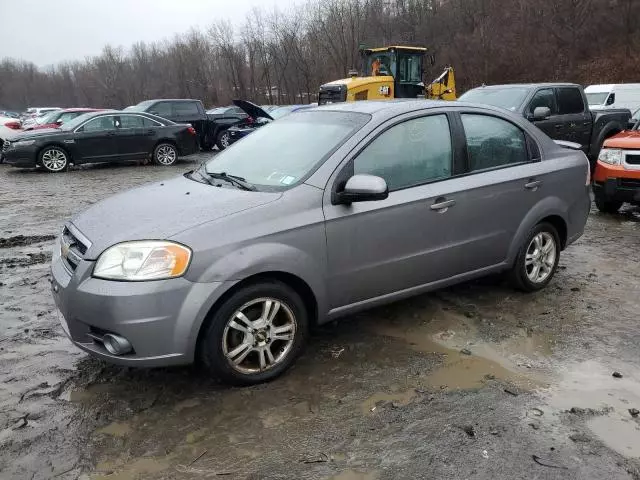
529	85
170	100
82	109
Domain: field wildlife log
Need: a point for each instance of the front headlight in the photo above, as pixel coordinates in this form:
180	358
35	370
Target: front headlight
23	143
612	156
143	260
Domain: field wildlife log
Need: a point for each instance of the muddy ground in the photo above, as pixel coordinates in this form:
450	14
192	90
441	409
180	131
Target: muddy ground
476	381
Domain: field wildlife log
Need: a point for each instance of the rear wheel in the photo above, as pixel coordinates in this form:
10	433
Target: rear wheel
604	204
165	154
223	140
54	159
538	258
255	335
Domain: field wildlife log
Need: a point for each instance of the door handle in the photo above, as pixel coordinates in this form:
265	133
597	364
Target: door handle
442	205
532	185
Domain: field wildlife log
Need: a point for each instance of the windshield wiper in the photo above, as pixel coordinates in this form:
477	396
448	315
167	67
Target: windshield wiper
233	179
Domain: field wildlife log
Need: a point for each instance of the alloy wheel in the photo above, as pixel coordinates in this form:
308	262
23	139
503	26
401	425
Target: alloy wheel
166	155
224	140
259	335
54	160
540	258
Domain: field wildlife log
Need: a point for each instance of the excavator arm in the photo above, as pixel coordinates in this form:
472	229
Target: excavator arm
443	87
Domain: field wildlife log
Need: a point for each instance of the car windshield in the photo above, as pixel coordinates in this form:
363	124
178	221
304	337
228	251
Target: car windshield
280	112
281	154
510	98
597	98
74	123
49	117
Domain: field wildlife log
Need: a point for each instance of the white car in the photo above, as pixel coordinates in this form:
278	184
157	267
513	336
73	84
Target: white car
33	113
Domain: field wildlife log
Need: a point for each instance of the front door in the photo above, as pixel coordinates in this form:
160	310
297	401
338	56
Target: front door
552	126
575	115
135	136
96	139
382	247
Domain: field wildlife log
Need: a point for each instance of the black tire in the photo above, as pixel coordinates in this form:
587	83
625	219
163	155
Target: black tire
54	159
217	336
165	154
222	140
604	204
520	272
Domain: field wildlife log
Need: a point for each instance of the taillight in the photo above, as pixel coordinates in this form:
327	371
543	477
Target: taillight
191	130
13	125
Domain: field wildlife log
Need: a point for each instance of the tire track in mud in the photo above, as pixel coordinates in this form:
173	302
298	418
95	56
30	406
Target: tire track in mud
24	240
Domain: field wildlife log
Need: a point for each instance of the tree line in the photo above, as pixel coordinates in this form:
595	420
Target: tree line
282	57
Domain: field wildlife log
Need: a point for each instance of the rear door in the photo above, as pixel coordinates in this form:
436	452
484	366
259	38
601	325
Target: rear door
96	139
135	135
575	115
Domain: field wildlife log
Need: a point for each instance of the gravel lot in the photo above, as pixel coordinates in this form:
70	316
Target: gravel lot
386	394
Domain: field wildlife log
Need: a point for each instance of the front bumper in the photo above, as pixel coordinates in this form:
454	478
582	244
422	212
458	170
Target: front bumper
161	319
24	157
617	183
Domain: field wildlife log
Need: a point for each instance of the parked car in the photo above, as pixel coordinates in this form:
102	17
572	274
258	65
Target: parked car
256	118
10	122
102	137
209	127
317	215
58	117
617	176
33	112
621	95
558	109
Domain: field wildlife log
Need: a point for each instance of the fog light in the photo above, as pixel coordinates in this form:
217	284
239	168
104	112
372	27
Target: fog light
116	345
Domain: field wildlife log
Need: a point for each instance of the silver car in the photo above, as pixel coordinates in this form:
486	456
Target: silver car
315	216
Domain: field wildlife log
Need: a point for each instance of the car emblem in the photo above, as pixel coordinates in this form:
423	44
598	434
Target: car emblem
64	250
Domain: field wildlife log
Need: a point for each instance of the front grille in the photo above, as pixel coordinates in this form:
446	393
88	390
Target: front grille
332	94
6	145
633	159
73	249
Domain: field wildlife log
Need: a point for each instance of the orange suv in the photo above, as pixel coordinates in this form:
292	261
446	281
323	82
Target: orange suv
617	176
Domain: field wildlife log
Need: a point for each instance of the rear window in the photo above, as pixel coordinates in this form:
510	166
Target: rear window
570	101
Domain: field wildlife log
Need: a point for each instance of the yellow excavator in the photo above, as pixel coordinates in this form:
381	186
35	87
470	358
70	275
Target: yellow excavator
390	72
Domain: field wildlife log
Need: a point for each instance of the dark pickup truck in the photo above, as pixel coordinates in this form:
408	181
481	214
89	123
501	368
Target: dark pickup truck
211	128
558	109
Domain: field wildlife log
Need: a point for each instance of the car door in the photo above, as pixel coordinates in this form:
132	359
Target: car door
553	126
135	136
381	247
96	139
575	115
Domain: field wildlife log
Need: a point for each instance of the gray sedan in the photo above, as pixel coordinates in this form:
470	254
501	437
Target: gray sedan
315	216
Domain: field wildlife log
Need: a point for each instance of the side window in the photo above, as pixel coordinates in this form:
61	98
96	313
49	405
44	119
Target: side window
570	101
493	142
543	98
162	109
410	153
612	99
131	121
185	108
99	124
147	122
409	68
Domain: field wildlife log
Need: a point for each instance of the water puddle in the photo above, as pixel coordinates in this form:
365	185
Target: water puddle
353	475
130	471
590	386
399	399
86	395
470	361
115	429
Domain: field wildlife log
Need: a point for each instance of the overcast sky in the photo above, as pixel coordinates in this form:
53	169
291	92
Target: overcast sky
49	31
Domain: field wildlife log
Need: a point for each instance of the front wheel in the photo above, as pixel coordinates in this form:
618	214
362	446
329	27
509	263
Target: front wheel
255	335
604	204
165	154
223	140
538	258
54	159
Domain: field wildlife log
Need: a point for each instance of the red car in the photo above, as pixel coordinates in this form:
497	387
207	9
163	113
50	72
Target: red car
58	117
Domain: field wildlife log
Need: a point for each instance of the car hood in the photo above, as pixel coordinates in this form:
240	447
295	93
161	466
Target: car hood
37	133
629	139
161	210
252	109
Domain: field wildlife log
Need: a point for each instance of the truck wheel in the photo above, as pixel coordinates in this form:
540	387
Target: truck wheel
255	335
606	205
223	140
538	258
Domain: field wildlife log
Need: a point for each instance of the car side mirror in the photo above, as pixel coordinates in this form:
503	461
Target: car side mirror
363	188
541	113
59	122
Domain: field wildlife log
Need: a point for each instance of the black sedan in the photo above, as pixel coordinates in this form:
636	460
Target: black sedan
102	137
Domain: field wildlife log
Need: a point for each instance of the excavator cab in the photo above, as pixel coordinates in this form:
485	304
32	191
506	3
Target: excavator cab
390	72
